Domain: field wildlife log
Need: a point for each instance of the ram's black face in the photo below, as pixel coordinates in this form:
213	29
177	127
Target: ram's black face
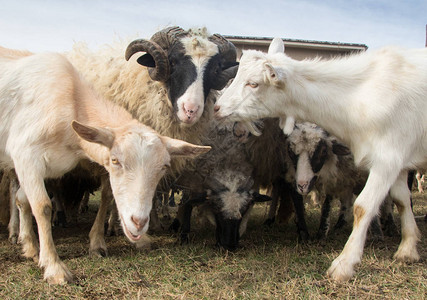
189	63
183	72
194	73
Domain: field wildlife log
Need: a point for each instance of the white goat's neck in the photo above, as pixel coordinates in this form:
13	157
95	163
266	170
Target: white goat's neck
322	92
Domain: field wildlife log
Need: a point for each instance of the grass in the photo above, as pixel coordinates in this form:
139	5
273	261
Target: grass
270	264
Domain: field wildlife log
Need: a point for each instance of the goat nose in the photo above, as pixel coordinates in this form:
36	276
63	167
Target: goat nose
139	222
216	108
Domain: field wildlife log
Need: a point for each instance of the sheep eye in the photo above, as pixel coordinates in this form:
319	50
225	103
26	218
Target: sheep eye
166	167
252	84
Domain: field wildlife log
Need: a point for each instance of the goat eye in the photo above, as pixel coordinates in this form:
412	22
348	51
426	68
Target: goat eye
252	84
166	167
115	161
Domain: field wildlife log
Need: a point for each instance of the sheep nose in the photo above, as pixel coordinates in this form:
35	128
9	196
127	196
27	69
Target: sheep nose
302	186
190	110
139	222
216	108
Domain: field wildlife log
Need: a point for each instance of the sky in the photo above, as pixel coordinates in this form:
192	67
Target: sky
55	25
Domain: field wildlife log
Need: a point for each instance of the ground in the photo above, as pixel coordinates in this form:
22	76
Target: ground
270	264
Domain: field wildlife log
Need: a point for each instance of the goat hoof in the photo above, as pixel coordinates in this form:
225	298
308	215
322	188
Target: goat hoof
100	252
340	270
407	255
58	274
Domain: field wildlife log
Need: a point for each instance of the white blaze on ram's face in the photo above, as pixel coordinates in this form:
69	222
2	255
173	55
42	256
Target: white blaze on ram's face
134	176
250	95
191	104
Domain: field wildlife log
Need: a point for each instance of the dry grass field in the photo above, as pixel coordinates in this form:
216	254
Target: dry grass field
270	264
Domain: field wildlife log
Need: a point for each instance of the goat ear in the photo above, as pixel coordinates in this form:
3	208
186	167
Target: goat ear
97	135
340	149
276	46
273	75
183	149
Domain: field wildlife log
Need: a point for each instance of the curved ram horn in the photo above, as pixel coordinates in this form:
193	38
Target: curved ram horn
228	53
156	58
167	37
159	69
225	47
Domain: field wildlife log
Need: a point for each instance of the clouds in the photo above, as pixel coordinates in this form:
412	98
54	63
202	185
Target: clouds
53	25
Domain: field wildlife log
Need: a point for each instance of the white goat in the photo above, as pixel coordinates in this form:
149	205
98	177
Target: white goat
375	102
44	105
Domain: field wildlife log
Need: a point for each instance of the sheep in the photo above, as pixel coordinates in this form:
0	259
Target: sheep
322	163
52	119
185	69
369	101
270	168
221	188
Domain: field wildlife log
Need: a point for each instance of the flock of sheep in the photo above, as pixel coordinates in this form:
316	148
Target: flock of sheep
182	126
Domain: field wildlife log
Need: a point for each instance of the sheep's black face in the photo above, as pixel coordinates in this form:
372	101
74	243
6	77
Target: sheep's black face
227	232
183	72
307	166
318	158
229	209
196	68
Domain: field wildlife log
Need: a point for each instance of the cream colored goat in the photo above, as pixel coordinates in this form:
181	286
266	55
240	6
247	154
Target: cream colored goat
51	119
375	102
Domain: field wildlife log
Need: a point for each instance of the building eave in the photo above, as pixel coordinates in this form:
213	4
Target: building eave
293	43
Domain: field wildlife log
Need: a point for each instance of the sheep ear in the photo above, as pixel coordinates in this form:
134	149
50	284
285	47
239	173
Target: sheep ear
146	60
102	136
276	46
340	149
180	148
273	75
257	197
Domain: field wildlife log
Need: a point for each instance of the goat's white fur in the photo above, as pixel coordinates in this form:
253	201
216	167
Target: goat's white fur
375	102
129	85
41	96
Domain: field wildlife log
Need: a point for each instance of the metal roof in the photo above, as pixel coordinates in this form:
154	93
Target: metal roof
265	41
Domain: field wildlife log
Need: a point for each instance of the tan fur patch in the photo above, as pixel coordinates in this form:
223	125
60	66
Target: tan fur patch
359	212
400	207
